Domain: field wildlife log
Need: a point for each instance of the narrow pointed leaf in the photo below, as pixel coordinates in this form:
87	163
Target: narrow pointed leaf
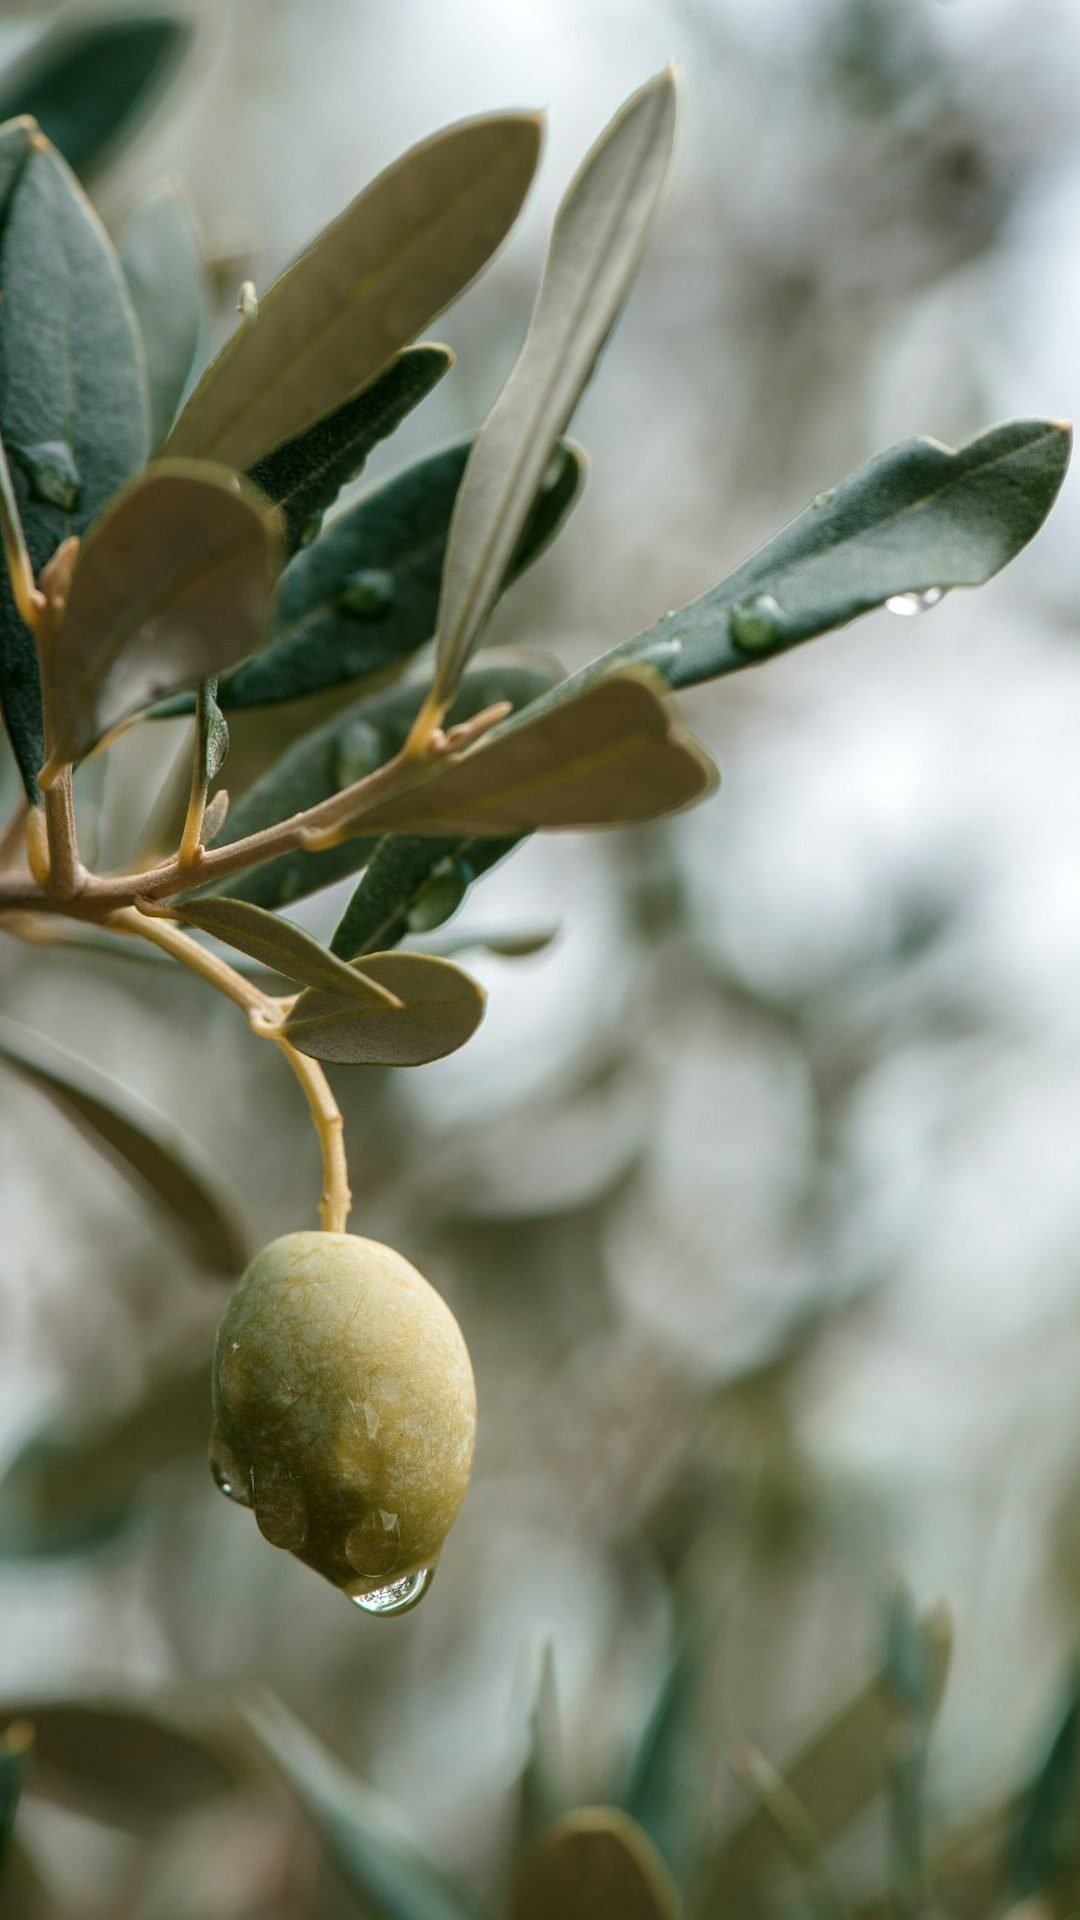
87	82
1044	1837
663	1788
522	943
355	742
173	583
132	1763
15	1745
305	476
441	1009
543	1795
361	1833
918	518
145	1148
403	249
612	756
280	946
73	410
397	883
211	731
594	1862
163	266
596	248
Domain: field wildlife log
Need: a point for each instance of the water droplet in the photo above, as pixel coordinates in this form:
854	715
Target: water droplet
553	472
228	1482
755	625
398	1596
909	604
441	896
825	499
51	470
310	530
368	594
359	752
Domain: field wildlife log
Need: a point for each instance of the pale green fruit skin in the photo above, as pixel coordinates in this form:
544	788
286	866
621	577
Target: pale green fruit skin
344	1407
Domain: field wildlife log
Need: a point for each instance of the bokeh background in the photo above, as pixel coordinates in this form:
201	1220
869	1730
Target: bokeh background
758	1193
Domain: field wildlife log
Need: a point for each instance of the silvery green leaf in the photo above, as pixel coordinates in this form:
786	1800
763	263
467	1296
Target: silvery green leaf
281	947
87	82
440	1009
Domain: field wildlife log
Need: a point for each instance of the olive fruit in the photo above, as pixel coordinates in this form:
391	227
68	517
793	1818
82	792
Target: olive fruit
344	1412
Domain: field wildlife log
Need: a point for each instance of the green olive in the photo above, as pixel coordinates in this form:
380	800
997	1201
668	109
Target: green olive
344	1411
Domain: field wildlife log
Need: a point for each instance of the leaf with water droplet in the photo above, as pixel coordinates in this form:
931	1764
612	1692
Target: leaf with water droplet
305	476
282	947
50	471
756	625
163	265
88	82
594	253
907	604
173	583
398	873
398	254
441	1009
145	1147
439	898
595	1861
367	594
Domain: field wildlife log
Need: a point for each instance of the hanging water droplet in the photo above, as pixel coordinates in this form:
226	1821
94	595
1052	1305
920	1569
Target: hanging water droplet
755	625
368	594
51	470
310	530
909	604
359	752
398	1596
440	896
553	472
825	499
229	1484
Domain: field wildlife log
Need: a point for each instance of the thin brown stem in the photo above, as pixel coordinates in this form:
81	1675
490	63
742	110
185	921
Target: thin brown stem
67	875
336	1199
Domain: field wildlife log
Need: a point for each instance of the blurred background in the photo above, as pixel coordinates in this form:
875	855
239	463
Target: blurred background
756	1194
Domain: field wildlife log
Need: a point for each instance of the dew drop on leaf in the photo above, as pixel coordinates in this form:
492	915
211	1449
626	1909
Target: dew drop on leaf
398	1596
909	604
50	468
757	624
368	594
227	1485
359	752
821	500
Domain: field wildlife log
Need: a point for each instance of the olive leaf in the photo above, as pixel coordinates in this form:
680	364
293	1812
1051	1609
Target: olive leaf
211	732
613	755
88	82
395	894
596	247
441	1007
918	519
283	948
73	410
16	1742
361	1833
172	584
150	1152
163	267
596	1861
543	1794
400	252
1039	1844
522	943
663	1786
305	475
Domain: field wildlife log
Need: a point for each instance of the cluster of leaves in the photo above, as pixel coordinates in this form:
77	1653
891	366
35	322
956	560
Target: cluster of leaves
650	1852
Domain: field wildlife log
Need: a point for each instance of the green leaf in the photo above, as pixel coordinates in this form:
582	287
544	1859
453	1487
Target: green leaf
145	1148
363	597
211	731
173	583
87	82
612	756
73	1484
362	737
131	1763
394	895
361	1833
403	249
71	378
542	1792
519	943
596	247
594	1862
305	476
282	947
441	1007
918	518
663	1788
1046	1838
163	266
15	1745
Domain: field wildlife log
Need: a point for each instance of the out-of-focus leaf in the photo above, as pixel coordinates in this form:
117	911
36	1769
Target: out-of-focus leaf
159	1164
72	389
15	1745
128	1762
362	737
596	247
305	476
663	1787
918	519
360	1832
1046	1835
522	943
913	1672
87	82
593	1864
397	883
614	755
400	252
73	1485
163	266
363	597
441	1009
173	583
23	1887
282	947
542	1792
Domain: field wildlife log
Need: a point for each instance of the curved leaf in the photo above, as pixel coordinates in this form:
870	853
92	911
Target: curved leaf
305	476
173	583
159	1164
596	248
15	1745
73	410
163	267
594	1863
280	946
362	1834
86	82
128	1762
441	1009
397	884
403	249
